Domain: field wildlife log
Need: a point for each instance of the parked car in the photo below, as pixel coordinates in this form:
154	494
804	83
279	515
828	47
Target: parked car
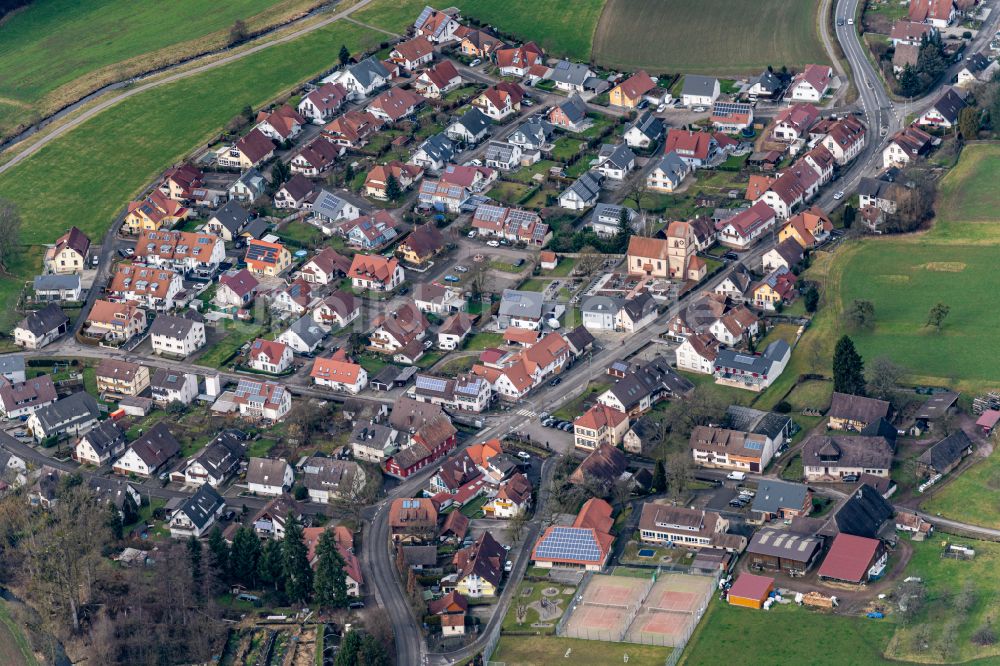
661	108
472	234
462	269
493	243
556	382
508	566
475	63
838	195
95	260
736	476
450	278
849	478
567	427
524	455
699	109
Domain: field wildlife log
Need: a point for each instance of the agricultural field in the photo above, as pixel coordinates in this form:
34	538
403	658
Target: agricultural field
83	170
668	36
548	650
56	51
820	638
550	23
954	263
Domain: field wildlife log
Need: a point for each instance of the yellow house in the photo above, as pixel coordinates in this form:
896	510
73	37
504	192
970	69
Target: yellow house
807	228
479	567
421	245
630	92
69	254
153	213
264	258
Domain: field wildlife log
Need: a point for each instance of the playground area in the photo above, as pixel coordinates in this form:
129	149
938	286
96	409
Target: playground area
661	609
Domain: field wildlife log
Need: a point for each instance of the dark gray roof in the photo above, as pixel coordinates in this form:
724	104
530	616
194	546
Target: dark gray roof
439	148
223	454
881	428
864	513
571	73
257	228
156	446
672	165
698	85
655	376
639	306
114	491
949	105
533	133
936	406
773	495
474	121
574	108
11	363
53	282
947	452
167	379
876	188
587	186
767	80
232	216
620	156
579	338
201	507
648	430
308	331
612	212
424	556
977	62
790	250
731	358
171	326
329	205
648	124
368	70
105	437
67	412
40	322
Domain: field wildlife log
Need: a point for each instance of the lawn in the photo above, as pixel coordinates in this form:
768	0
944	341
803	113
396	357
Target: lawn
948	623
811	394
968	497
820	639
793	471
563	268
56	51
579	404
534	284
668	36
548	650
954	263
220	353
784	332
474	509
481	341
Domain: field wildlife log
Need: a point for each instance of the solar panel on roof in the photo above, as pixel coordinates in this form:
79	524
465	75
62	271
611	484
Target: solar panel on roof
754	446
741	358
569	543
431	383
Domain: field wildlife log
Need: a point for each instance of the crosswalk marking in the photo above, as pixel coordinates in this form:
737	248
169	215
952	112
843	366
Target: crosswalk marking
525	412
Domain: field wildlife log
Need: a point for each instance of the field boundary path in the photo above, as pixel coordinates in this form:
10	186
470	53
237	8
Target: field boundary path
172	78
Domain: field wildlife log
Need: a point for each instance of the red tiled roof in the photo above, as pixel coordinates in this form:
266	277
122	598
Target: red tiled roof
849	558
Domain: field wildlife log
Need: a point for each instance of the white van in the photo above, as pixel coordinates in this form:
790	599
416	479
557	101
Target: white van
736	476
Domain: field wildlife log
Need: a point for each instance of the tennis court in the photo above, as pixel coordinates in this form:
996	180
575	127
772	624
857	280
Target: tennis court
605	607
671	610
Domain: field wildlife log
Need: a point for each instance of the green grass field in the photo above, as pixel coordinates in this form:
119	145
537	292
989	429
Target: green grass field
95	169
962	497
949	624
815	638
558	28
708	36
14	648
954	263
56	51
548	650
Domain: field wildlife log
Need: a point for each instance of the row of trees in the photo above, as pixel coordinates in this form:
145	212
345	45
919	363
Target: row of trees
282	567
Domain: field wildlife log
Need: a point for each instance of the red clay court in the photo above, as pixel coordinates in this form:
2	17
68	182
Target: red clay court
605	607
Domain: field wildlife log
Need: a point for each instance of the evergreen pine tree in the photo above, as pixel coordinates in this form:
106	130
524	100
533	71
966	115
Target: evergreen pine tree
270	570
392	188
345	56
848	368
295	562
218	554
194	560
659	477
330	585
244	557
624	231
115	523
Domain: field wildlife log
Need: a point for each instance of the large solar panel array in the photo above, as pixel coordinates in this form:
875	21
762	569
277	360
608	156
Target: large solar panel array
490	213
569	543
469	388
435	384
730	109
